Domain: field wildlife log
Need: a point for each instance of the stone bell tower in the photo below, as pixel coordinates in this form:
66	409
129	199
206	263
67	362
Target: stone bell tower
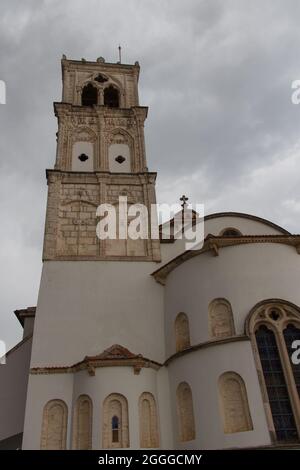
99	325
100	156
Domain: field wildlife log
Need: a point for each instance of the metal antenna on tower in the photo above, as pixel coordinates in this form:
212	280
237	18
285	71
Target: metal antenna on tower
119	54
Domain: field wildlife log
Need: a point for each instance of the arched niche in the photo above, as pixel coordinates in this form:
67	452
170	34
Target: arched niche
54	425
149	435
234	403
82	423
115	430
185	412
220	319
182	332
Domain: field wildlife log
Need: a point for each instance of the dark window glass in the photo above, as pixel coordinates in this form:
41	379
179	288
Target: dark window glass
115	428
291	333
280	404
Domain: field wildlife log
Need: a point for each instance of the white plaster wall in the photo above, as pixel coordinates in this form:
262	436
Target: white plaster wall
41	389
165	409
88	149
85	307
201	370
243	274
114	151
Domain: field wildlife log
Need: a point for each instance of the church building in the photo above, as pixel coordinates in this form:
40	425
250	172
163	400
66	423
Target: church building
143	343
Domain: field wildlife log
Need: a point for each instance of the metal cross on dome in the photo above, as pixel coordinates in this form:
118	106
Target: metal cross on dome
183	199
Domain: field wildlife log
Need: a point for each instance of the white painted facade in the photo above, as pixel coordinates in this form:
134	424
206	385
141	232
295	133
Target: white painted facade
140	314
105	321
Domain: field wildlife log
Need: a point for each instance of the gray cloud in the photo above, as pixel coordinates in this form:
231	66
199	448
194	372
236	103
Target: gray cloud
217	77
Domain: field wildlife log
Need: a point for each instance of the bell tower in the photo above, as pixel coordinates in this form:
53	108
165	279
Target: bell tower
100	157
98	308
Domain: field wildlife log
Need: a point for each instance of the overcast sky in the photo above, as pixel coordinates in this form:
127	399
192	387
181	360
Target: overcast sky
216	75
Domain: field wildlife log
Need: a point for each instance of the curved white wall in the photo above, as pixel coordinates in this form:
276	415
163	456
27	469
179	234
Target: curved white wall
201	370
242	274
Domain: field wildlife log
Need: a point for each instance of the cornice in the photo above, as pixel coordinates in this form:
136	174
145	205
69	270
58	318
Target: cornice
85	65
115	356
63	108
206	344
28	312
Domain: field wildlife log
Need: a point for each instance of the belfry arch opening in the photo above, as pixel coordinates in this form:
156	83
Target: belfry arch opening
89	95
111	97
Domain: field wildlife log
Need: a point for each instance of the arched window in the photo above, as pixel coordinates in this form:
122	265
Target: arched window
279	400
149	436
111	97
230	232
89	95
292	333
220	319
115	422
234	403
273	326
54	425
182	332
82	423
185	412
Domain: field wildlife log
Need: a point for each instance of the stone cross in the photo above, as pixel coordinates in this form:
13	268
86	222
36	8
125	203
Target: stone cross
183	199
